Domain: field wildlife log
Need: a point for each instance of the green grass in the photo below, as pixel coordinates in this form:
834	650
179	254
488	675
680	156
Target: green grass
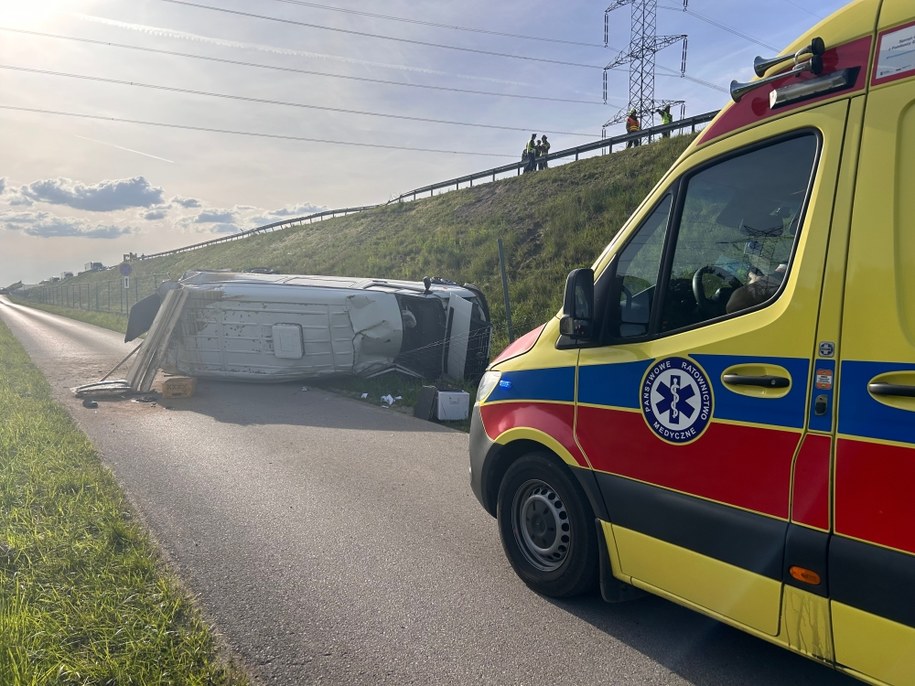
83	598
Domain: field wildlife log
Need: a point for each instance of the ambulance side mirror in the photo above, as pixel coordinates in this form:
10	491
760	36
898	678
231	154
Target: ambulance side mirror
577	320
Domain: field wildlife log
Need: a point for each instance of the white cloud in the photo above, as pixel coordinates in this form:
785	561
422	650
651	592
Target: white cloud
301	210
155	214
46	225
104	196
185	202
2	184
18	200
215	216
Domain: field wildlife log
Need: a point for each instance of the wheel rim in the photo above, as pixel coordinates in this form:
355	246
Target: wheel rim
541	525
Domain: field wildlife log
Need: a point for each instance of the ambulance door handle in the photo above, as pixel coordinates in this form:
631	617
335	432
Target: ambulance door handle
765	381
880	388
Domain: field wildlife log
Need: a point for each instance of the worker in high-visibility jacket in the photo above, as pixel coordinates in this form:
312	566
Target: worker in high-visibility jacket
632	126
530	163
666	118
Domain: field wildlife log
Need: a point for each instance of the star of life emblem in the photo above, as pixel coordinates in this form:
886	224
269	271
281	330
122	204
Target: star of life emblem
676	400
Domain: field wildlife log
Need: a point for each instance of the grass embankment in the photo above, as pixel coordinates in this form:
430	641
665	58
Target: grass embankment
549	221
83	599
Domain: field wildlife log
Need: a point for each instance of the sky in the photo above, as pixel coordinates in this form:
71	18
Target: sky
145	125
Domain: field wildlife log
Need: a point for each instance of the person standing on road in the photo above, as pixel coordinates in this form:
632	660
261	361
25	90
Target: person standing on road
632	126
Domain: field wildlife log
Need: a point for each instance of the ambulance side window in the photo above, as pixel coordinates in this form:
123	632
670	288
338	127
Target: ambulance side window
637	271
728	248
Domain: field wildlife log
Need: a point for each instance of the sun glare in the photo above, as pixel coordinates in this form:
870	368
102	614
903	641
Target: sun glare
31	13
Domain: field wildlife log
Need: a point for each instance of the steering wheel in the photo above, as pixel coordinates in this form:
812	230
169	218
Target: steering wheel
698	288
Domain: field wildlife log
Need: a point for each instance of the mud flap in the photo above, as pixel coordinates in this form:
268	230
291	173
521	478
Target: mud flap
612	590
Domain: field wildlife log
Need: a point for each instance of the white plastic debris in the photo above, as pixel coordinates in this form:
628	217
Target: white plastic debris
364	396
387	399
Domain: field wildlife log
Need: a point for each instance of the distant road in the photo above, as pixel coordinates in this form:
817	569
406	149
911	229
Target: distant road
332	541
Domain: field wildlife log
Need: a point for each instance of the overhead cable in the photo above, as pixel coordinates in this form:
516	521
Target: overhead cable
256	134
173	53
375	35
266	101
729	29
420	22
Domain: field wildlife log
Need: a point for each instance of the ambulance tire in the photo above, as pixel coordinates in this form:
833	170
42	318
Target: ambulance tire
547	527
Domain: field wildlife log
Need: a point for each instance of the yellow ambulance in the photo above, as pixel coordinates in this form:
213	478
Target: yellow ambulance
723	414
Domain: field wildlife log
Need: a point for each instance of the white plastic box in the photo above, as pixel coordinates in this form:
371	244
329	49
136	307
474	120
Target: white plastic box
452	405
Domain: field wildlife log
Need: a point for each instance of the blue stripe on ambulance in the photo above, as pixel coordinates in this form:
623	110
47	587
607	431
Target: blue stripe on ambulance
861	415
555	384
618	385
787	411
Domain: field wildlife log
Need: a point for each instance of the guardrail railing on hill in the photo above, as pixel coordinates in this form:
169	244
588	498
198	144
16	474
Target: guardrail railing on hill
604	145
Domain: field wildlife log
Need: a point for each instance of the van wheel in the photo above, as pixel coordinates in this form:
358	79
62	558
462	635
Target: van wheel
547	527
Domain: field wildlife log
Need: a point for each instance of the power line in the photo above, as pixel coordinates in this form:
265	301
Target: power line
439	26
256	65
707	84
228	96
801	7
207	129
729	29
375	35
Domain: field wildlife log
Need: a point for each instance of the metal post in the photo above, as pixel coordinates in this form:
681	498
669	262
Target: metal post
508	307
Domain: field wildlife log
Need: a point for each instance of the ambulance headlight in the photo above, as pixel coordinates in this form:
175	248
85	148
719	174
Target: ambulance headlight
487	383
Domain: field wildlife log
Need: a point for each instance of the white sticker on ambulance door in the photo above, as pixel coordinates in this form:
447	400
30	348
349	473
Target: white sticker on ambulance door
897	53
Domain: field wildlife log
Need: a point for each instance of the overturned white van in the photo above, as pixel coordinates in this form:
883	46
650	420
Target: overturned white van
282	327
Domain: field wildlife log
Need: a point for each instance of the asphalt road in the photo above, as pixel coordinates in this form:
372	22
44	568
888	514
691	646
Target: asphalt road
333	541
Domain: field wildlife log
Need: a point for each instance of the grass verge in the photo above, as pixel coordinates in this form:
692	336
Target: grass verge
83	598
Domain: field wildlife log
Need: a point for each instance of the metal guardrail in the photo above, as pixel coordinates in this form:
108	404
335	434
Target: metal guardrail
604	144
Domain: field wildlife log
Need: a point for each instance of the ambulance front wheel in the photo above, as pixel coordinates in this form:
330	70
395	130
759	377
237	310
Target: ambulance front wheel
547	527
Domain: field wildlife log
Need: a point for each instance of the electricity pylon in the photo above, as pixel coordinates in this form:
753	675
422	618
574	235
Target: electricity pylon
644	43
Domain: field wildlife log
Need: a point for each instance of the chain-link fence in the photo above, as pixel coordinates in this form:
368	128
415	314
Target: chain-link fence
116	296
